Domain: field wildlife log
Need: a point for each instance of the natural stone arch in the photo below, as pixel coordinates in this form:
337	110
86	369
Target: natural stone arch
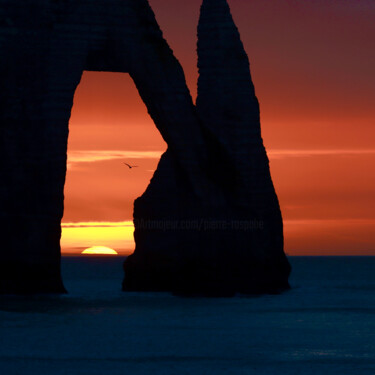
61	41
215	170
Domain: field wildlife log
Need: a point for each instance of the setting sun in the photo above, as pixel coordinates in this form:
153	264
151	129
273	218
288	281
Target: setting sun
100	250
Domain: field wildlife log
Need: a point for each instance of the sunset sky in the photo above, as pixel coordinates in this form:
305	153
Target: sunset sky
312	63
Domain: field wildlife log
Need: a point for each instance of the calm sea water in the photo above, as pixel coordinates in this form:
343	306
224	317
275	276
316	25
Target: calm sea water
324	325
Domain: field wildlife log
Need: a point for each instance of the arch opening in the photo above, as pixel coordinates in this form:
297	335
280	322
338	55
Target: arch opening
109	126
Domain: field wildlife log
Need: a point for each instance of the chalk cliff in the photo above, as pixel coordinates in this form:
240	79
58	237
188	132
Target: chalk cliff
209	223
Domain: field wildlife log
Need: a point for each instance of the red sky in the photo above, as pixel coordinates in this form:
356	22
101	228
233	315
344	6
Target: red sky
312	64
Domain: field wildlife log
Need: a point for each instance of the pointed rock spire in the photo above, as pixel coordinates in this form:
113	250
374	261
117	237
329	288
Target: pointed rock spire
226	99
228	107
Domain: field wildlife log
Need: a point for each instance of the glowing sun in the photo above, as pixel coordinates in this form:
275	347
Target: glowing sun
100	250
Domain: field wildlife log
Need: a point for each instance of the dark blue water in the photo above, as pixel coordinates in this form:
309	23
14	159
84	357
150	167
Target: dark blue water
324	325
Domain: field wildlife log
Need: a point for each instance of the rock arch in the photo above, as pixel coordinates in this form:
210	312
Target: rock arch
45	46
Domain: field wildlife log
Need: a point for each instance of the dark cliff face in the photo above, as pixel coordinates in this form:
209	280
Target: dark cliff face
193	223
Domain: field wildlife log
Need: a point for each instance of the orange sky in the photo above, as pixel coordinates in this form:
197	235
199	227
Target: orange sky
312	64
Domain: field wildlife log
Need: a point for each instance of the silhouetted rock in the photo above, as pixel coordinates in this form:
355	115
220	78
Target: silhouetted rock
209	223
231	239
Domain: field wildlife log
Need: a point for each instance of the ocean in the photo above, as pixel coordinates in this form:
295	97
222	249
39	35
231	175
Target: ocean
324	325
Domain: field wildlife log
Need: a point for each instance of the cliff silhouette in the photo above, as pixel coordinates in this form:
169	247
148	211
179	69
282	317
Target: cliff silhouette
209	223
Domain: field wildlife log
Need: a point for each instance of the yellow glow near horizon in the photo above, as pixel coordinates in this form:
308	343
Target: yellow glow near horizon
100	250
79	236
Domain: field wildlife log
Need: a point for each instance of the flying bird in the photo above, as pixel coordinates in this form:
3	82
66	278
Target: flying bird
130	166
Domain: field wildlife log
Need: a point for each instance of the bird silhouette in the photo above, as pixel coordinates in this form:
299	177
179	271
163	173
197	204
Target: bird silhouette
130	166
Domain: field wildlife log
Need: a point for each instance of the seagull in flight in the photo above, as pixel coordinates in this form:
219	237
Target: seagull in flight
130	166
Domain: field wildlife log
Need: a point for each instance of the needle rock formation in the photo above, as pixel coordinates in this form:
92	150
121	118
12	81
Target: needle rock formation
209	223
229	237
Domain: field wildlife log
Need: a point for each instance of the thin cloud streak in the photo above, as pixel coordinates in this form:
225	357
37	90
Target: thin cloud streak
328	222
106	155
128	224
281	154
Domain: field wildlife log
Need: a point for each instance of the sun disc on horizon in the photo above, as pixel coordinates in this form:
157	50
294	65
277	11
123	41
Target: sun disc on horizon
100	250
